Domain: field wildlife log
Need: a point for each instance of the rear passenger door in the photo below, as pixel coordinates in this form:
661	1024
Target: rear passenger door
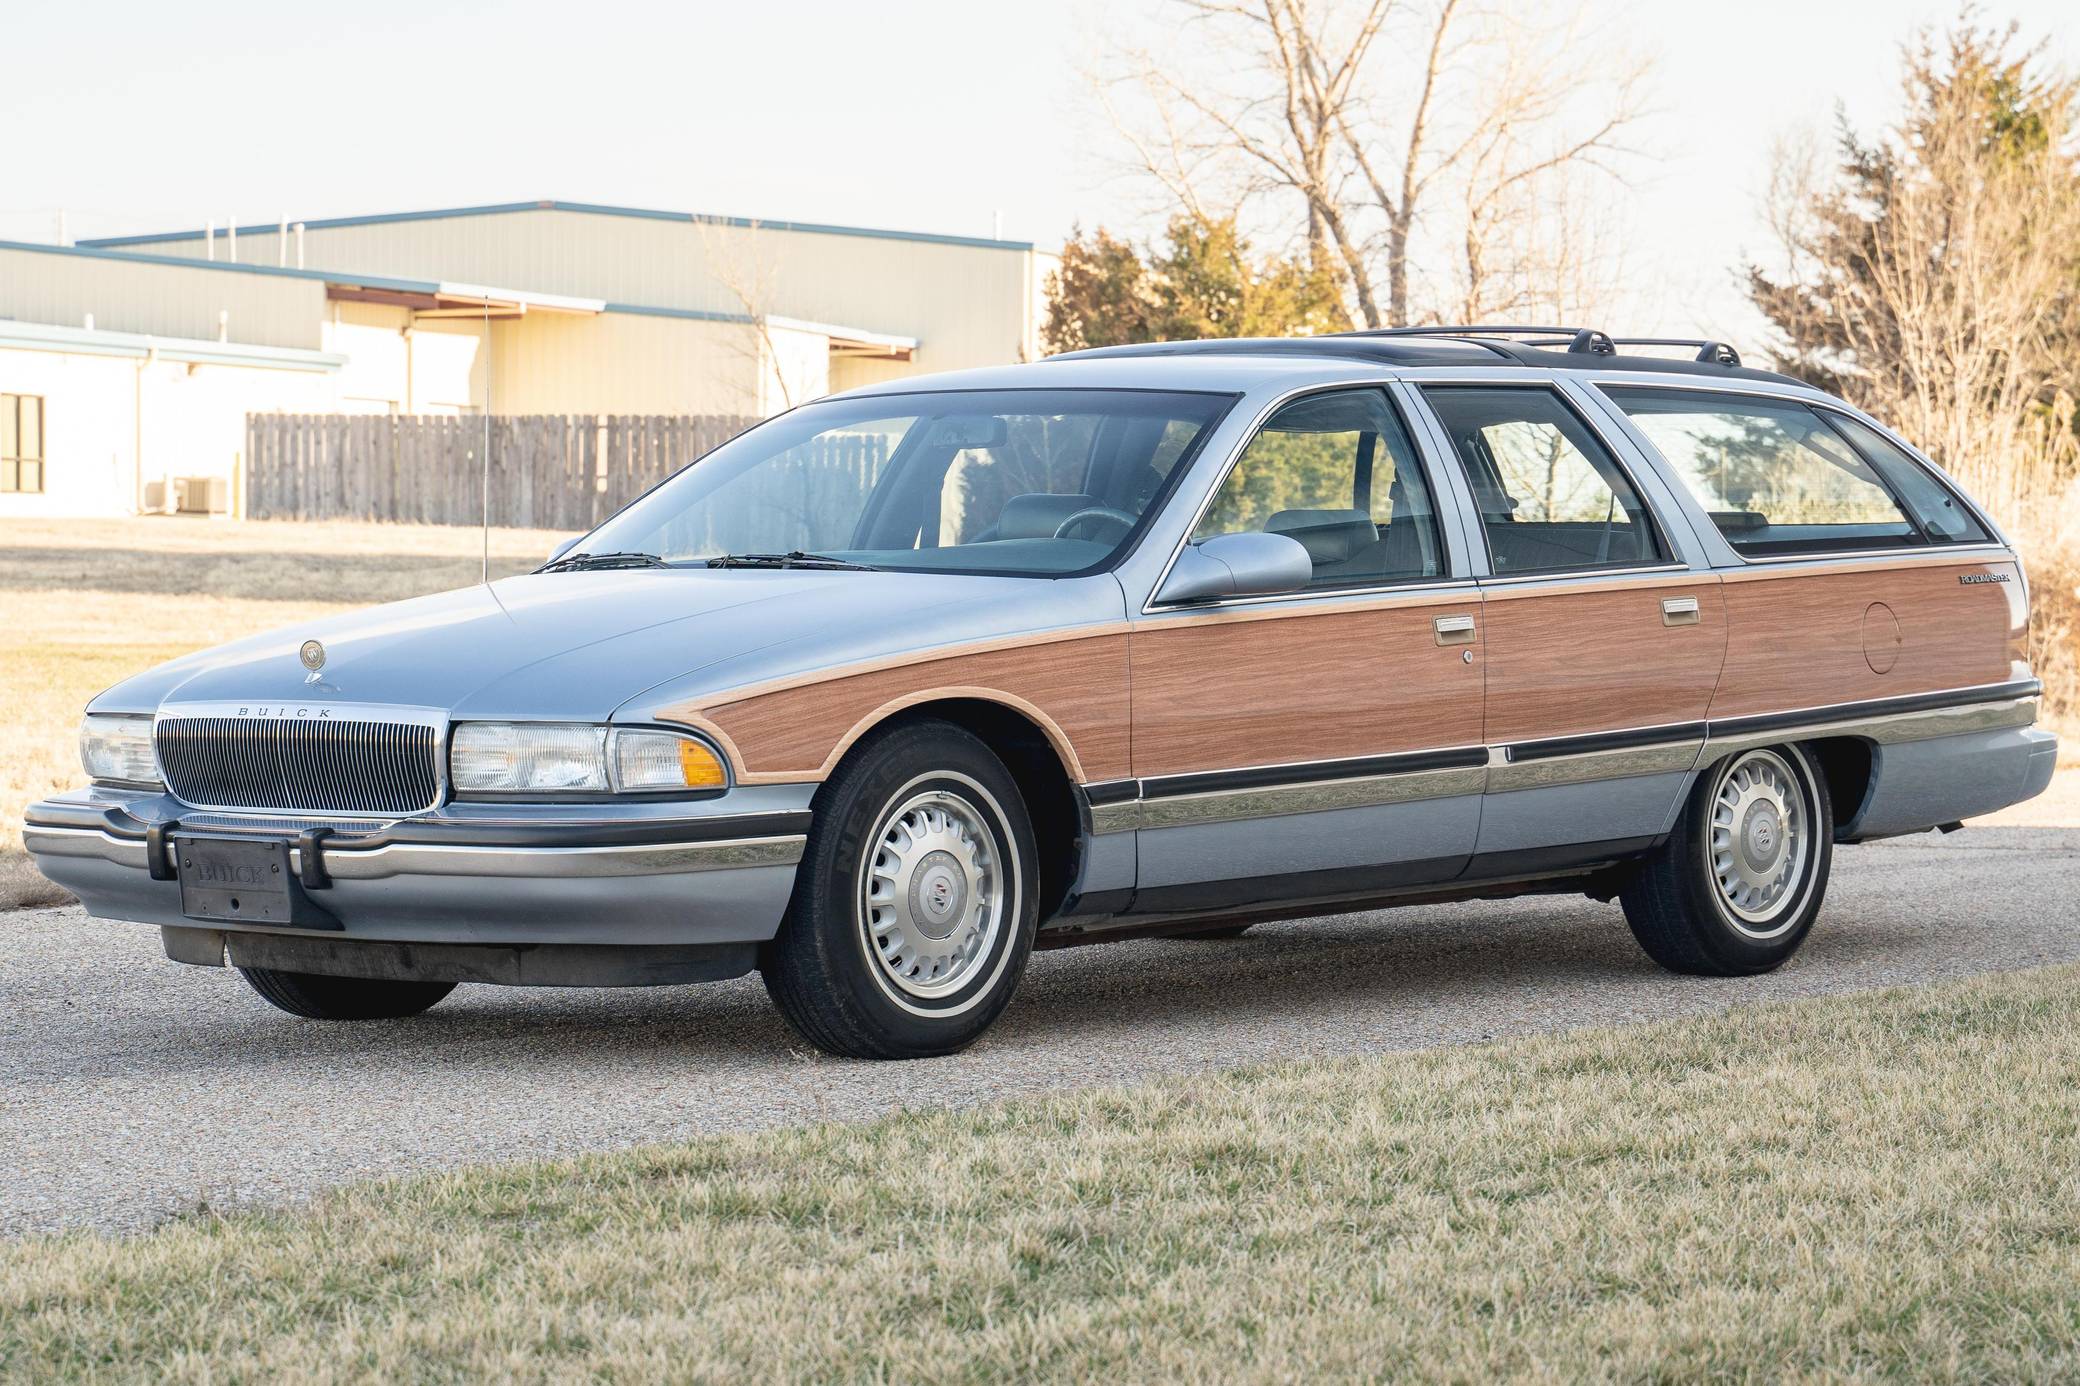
1602	647
1324	742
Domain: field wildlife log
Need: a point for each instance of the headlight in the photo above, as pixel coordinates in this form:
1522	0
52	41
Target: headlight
567	758
528	757
118	748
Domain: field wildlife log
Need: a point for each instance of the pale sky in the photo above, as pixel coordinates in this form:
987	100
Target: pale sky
932	115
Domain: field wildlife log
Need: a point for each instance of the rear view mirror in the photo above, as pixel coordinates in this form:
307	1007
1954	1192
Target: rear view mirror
1238	565
974	431
565	547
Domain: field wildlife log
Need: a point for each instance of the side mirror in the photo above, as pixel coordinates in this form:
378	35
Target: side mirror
565	547
1238	565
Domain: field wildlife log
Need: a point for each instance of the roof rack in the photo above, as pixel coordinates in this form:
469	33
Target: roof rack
1582	341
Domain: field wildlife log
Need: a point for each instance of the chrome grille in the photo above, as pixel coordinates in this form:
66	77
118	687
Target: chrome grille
307	766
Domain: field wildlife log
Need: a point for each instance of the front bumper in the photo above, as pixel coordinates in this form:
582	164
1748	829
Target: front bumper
715	871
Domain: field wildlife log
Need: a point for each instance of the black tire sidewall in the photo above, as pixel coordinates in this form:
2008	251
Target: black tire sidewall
824	921
1727	945
318	997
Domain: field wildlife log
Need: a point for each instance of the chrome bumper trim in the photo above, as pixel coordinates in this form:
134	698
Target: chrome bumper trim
654	859
428	859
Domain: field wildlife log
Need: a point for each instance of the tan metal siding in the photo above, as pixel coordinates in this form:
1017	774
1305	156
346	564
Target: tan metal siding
969	305
620	363
161	300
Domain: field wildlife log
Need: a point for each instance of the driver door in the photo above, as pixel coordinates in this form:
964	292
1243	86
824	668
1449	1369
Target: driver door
1324	742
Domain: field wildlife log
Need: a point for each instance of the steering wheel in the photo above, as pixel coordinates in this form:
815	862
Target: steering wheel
1101	513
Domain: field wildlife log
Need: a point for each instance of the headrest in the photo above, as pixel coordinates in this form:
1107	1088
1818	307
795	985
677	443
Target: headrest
1329	536
1039	515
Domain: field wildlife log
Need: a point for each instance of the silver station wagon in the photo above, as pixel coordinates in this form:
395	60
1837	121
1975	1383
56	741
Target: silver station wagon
900	685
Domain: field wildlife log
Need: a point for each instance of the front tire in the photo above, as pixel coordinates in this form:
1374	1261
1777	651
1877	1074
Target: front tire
1735	889
914	906
316	997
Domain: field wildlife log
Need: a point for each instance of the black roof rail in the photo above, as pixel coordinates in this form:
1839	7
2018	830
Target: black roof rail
1581	341
1709	352
1548	348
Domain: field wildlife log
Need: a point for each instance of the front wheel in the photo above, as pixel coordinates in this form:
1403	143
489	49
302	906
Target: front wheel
914	906
1736	887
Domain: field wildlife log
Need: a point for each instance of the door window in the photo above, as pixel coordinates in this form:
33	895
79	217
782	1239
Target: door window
1338	473
1551	497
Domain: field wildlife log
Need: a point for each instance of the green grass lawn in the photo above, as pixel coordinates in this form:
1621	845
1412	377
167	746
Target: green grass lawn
1877	1186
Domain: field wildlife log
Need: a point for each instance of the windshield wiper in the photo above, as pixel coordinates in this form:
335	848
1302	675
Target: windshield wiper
578	562
793	558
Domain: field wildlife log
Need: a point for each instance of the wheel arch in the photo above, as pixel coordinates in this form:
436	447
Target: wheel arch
1036	753
1847	764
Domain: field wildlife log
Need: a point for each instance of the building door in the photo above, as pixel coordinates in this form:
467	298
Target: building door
1326	742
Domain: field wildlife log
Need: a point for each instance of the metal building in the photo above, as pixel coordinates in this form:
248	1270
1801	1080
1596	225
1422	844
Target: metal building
128	365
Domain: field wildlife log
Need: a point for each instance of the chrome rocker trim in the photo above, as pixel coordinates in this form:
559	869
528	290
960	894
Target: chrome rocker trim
1267	791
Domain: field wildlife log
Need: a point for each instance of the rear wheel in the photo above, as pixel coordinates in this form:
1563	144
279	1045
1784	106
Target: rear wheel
1736	887
316	997
914	908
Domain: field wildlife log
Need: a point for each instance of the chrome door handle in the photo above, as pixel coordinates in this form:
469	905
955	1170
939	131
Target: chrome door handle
1679	611
1453	630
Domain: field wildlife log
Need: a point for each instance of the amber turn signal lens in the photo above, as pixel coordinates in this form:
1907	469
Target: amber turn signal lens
647	758
700	767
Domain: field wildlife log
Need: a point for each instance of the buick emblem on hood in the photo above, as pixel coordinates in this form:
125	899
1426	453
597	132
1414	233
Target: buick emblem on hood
312	656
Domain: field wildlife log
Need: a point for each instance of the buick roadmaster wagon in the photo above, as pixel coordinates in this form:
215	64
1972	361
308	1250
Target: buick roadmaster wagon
902	684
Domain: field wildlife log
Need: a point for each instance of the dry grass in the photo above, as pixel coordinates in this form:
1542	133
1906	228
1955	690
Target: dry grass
1878	1186
90	602
2053	564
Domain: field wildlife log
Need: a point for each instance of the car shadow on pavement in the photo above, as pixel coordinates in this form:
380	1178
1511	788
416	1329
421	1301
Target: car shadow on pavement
1396	960
1534	956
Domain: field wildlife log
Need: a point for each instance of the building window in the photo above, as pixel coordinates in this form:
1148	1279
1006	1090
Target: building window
21	442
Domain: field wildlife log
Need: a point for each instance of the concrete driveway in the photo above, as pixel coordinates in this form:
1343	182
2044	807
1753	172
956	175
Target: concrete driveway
132	1088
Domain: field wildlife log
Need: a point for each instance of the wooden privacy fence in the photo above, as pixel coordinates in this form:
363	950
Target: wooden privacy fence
548	471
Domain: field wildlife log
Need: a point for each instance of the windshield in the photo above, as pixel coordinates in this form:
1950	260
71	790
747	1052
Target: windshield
1028	482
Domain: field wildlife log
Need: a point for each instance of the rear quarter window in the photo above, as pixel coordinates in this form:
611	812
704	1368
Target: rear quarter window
1776	476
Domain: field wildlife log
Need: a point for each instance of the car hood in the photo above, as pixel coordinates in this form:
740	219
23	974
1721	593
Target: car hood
575	645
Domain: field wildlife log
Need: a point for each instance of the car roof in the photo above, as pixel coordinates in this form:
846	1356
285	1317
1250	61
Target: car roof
1245	363
1227	374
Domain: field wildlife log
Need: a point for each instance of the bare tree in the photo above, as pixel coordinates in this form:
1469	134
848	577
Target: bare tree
1932	276
736	256
1379	130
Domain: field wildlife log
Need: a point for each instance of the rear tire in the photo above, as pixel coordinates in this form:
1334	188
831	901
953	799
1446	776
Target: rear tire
316	997
1735	889
914	906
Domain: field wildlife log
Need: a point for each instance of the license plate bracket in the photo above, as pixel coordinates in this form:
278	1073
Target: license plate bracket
243	880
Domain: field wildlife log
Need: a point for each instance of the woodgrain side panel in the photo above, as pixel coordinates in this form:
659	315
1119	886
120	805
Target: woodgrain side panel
1798	634
1075	688
1565	660
1322	683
